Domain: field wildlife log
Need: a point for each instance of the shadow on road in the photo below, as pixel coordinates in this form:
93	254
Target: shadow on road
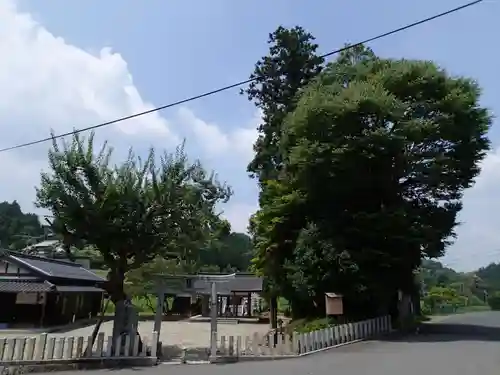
447	332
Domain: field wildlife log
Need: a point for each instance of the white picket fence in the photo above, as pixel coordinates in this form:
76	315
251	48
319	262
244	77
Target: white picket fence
44	348
47	349
301	343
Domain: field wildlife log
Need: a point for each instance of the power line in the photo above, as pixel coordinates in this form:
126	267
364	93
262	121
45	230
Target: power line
225	88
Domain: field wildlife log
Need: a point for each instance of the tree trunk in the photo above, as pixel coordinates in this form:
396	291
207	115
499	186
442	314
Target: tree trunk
273	312
97	327
273	316
125	320
302	309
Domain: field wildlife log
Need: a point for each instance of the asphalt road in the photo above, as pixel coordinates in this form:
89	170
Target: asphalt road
467	344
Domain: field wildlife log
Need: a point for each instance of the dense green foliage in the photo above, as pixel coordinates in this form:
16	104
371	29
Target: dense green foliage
374	155
277	79
232	252
494	301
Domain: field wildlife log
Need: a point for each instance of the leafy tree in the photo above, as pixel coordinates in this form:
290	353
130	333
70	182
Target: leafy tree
230	252
279	77
95	256
133	212
291	64
376	157
441	296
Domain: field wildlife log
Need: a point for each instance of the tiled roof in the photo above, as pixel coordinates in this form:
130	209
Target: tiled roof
80	289
53	268
240	283
16	286
36	286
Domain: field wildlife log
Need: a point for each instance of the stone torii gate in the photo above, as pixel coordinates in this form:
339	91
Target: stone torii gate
171	284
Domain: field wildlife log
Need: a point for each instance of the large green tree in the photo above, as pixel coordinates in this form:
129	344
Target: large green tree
278	78
376	156
163	205
291	64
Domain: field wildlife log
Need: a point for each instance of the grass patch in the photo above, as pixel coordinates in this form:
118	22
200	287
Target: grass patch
309	325
460	310
283	306
142	305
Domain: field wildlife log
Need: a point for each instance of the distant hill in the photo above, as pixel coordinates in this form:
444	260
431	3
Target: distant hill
18	229
433	273
490	276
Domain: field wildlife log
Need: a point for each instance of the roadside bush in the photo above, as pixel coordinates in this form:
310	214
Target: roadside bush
425	309
494	301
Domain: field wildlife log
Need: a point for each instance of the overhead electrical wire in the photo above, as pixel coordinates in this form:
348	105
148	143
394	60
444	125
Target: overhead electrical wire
241	83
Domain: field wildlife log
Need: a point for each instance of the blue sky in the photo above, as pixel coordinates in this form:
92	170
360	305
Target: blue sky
168	50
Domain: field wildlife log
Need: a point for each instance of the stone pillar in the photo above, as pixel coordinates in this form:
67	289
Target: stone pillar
159	311
235	305
219	305
249	305
205	305
213	323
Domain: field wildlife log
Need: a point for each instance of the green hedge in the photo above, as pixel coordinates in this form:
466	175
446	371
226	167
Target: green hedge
494	301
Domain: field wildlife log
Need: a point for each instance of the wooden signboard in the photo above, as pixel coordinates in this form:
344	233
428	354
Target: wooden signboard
334	304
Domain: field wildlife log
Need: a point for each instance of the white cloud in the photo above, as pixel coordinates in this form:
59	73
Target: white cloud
64	85
238	214
478	242
238	142
46	83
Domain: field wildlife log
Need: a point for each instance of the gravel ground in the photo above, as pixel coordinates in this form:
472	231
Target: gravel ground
187	334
